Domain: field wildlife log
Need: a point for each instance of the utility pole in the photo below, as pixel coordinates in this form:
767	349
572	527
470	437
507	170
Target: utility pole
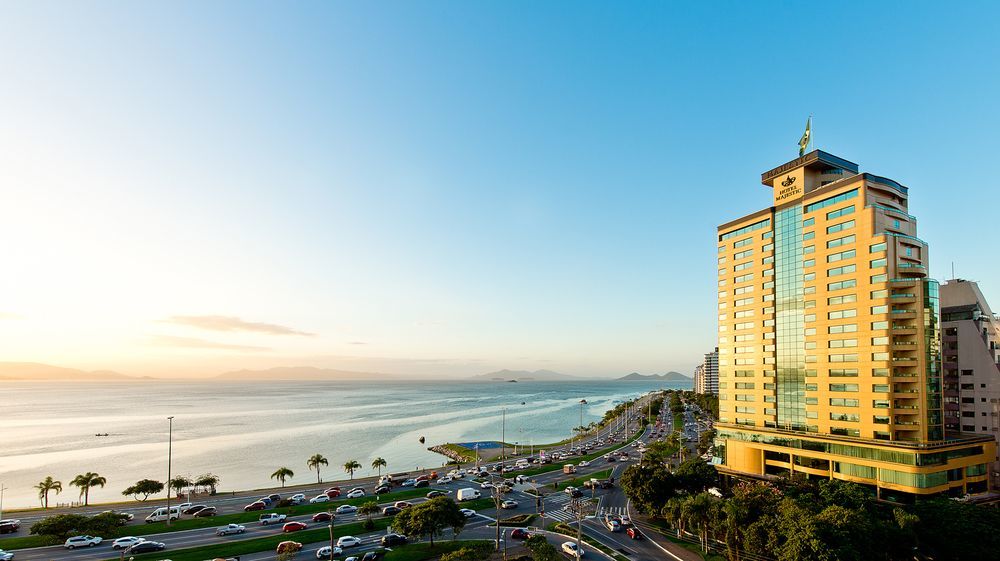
2	489
332	518
170	454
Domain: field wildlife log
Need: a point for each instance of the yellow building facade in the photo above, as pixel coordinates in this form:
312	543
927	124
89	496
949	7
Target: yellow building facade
829	358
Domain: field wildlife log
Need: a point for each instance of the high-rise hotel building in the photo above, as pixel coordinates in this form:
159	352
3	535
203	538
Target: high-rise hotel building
829	343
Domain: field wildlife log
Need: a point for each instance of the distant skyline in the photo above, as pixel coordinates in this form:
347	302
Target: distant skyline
446	189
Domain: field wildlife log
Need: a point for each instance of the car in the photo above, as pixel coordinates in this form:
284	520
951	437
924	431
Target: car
433	494
294	527
519	534
583	463
194	509
324	552
9	526
403	504
126	517
382	489
272	518
570	548
633	533
625	520
610	458
468	512
332	493
348	541
322	517
288	547
145	546
320	499
184	506
390	540
485	485
391	510
612	524
409	483
265	500
256	505
274	498
206	512
82	541
298	497
353	559
423	483
125	542
508	504
372	555
356	493
334	488
346	509
445	479
230	529
6	555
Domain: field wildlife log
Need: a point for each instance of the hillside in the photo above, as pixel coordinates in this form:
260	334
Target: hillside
668	377
301	373
524	375
39	371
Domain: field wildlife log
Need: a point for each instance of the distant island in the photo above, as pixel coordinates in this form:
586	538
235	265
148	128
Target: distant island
39	371
668	377
525	376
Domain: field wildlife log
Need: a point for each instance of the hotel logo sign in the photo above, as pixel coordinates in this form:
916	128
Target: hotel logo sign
787	189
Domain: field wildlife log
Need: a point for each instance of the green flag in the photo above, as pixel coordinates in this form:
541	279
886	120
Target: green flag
804	141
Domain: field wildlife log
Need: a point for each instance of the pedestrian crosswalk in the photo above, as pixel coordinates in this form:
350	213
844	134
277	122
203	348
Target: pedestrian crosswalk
612	511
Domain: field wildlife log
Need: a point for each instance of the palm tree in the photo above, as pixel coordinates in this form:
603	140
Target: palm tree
697	511
209	480
672	513
46	485
314	462
85	481
379	463
368	509
281	474
178	484
350	466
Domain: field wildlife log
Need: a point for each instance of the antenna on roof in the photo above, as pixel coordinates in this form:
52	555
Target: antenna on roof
952	269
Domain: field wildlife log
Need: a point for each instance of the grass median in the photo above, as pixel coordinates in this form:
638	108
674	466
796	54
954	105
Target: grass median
579	481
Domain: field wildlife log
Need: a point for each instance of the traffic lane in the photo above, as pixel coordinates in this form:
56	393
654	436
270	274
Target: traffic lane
637	550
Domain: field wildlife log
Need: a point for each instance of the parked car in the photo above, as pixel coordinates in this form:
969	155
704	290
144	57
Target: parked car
194	509
125	542
6	555
206	512
348	541
382	489
320	499
324	552
322	517
230	529
334	488
391	510
256	505
372	555
272	518
346	509
508	504
520	534
468	512
433	494
184	506
390	540
583	463
356	493
160	514
569	548
332	493
82	541
126	517
145	547
445	479
288	547
612	524
294	527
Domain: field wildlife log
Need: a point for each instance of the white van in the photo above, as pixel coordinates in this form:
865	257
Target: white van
160	514
468	494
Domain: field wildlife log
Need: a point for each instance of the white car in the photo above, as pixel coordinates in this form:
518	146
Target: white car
569	548
82	541
583	464
356	494
6	555
508	504
468	512
126	542
324	552
230	529
486	485
351	559
127	515
346	509
445	479
320	499
348	541
298	497
183	506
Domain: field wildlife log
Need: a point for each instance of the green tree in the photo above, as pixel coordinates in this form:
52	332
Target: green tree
367	509
430	518
649	486
85	482
846	494
281	474
695	475
799	535
315	461
45	486
541	549
350	466
672	512
475	552
697	512
60	526
209	480
180	483
106	524
144	487
379	463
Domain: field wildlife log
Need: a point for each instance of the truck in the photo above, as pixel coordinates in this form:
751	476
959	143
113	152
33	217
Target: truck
272	518
467	494
569	468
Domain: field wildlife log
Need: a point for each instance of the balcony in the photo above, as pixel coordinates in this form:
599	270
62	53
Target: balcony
898	421
903	314
904	329
904	344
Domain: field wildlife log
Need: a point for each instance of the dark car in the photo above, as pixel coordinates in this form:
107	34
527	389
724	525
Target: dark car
274	498
389	540
520	534
206	512
576	493
391	510
373	556
633	533
433	494
145	547
256	505
9	526
194	509
322	517
423	483
382	489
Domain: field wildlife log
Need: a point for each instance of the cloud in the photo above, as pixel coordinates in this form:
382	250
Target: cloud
194	343
229	323
358	343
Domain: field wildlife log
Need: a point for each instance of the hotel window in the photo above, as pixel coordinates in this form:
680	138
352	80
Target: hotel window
840	212
909	251
845	299
743	302
845	270
722	282
744	350
744	373
723	328
742	290
768	323
877	325
880	309
722	271
880	294
811	388
766	235
745	385
876	263
845	196
812	401
808	277
895	224
742	338
841	314
741	266
843	402
768	272
744	397
808	262
851	283
843	358
811	358
880	340
746	409
768	247
744	325
810	303
808	222
839	227
846	328
841	431
880	388
742	254
722	248
744	278
743	242
768	298
810	345
722	260
840	241
809	317
811	414
767	260
849	417
744	361
841	343
809	249
880	419
722	305
723	294
768	310
844	372
809	290
722	316
875	248
810	331
880	356
879	278
767	285
880	372
809	235
843	387
880	403
834	257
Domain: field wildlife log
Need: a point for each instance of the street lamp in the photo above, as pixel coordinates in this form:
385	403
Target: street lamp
582	403
170	453
2	489
331	534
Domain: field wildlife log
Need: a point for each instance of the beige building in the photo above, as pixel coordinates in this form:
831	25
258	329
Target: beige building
706	374
970	338
829	343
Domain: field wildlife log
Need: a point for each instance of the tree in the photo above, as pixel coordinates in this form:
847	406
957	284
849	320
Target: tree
474	552
281	474
379	463
46	485
60	526
106	524
85	481
315	461
209	480
797	528
350	466
430	518
649	486
846	494
697	512
672	512
695	475
180	483
541	549
368	509
144	487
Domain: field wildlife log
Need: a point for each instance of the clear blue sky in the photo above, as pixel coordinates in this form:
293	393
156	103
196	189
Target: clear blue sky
449	187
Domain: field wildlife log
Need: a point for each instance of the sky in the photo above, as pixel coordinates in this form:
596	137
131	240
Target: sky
449	188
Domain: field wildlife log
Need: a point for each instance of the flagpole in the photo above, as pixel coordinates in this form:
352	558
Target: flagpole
812	133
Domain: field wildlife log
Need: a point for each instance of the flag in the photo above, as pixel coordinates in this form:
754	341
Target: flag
804	141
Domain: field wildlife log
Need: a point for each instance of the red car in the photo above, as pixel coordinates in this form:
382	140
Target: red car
520	534
294	527
257	505
288	547
633	533
332	489
332	493
322	517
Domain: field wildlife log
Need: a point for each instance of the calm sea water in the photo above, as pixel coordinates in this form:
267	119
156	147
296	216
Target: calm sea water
243	431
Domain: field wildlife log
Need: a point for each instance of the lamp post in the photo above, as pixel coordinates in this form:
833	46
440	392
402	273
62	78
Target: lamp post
580	433
2	489
331	534
170	453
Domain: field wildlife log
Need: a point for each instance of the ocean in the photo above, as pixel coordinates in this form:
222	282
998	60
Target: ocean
243	431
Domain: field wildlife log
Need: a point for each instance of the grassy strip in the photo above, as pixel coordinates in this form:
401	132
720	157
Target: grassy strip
592	456
567	530
270	543
421	551
517	521
678	422
215	521
578	481
463	452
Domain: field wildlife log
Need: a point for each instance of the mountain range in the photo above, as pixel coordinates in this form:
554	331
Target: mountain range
668	377
525	375
301	373
38	371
